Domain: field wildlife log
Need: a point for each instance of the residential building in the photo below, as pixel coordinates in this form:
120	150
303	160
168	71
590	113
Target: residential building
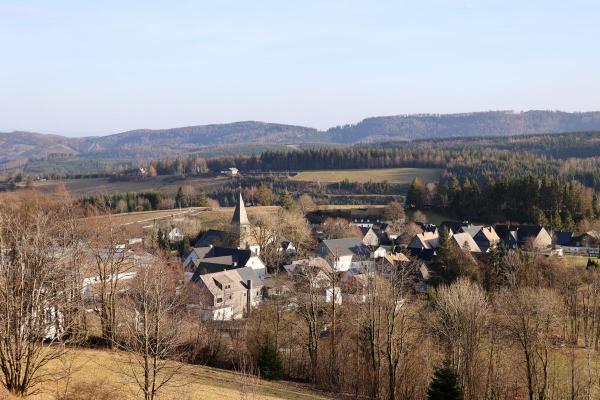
227	295
345	252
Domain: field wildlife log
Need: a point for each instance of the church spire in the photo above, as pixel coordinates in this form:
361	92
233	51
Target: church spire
239	215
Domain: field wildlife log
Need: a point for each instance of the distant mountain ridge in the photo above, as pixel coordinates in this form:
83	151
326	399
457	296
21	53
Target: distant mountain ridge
146	143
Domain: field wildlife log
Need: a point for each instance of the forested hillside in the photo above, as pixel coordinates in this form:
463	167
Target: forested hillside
18	149
493	123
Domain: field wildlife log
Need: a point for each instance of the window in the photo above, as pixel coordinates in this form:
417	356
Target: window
219	299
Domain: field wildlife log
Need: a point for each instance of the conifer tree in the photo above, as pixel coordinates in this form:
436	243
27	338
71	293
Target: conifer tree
179	198
444	385
269	364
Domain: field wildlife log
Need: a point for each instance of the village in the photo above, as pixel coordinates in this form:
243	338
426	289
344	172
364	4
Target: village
233	278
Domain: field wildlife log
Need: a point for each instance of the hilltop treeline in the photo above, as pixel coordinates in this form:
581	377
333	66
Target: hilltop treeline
548	201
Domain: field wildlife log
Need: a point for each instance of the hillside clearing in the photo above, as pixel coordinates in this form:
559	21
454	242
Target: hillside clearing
102	371
391	175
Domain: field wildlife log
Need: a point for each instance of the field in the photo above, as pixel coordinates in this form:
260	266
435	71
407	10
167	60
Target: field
166	184
392	175
102	373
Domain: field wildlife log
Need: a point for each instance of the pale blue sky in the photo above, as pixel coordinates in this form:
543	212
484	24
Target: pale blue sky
83	67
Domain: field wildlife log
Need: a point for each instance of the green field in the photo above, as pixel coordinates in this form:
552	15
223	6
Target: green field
392	175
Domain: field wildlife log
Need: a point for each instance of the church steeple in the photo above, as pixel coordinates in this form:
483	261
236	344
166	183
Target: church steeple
239	215
241	223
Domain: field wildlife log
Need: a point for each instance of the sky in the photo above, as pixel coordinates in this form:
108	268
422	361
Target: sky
99	67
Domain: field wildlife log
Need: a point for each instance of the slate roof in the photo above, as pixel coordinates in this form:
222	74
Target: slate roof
237	278
347	246
211	237
563	238
422	254
463	239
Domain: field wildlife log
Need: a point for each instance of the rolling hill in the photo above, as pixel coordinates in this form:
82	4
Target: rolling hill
18	148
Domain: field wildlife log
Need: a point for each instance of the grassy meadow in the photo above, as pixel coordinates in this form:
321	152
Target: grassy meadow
102	374
392	175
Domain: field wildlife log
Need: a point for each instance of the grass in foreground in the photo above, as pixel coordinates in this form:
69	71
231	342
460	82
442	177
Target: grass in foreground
100	372
392	175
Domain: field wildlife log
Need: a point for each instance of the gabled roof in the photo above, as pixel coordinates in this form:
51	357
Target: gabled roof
239	215
422	254
487	233
428	240
472	230
236	278
239	256
525	231
464	241
396	257
313	262
346	247
211	237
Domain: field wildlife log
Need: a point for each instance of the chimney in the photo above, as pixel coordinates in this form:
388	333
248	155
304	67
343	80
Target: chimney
248	297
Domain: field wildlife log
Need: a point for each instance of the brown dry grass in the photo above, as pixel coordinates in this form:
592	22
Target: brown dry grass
99	373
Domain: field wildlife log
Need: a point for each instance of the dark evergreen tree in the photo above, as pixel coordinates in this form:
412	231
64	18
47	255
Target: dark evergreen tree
444	385
269	363
179	198
416	193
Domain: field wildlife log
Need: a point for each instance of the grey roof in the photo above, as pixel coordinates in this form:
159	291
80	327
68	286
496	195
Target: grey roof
563	238
238	278
246	274
211	237
239	215
347	246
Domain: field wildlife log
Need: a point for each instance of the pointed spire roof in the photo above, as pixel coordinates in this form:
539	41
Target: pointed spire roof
239	215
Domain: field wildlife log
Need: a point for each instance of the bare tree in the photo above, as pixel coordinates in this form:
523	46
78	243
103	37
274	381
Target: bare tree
460	319
309	282
111	263
530	317
33	299
151	331
306	203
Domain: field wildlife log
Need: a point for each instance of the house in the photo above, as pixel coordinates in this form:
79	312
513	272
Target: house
425	241
425	255
196	254
276	285
230	171
585	244
465	242
213	259
344	252
381	252
532	236
486	238
228	295
366	217
315	270
370	238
